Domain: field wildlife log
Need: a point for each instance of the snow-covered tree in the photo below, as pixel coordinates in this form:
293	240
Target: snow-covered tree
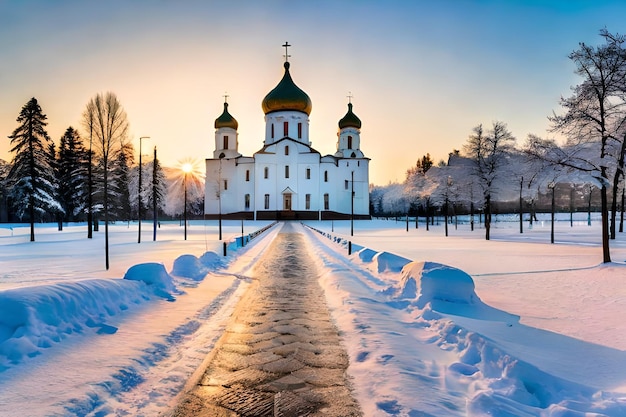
121	186
594	117
72	175
176	183
489	152
31	177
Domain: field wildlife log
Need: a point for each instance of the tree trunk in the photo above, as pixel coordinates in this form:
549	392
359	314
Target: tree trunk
606	253
487	216
621	216
521	207
106	214
472	216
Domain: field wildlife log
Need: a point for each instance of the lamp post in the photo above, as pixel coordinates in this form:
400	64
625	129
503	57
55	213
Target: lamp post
551	187
139	190
186	170
219	197
352	206
154	195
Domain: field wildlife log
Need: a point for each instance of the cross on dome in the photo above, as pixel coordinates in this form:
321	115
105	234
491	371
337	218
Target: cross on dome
286	45
225	97
349	96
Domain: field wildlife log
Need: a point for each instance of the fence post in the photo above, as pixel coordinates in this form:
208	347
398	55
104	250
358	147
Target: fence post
349	247
224	248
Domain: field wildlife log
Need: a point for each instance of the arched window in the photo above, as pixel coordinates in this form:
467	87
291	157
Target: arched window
247	175
225	142
266	172
326	202
272	130
325	176
299	130
286	150
247	201
286	128
267	201
349	142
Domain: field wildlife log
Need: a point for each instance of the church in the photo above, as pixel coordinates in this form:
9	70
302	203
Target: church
287	179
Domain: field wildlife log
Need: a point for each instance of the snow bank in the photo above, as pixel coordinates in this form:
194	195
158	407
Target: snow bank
445	289
189	266
36	318
156	277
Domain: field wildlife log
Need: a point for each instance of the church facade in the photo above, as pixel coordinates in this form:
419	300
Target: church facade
286	178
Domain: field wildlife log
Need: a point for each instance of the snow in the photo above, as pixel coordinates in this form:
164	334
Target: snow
433	325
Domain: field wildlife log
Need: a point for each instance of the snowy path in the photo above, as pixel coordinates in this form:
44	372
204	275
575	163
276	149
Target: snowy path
280	354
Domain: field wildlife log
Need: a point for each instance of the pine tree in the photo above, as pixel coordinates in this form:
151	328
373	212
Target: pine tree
31	178
119	188
73	160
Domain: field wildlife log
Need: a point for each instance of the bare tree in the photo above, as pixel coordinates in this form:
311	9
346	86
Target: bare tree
108	124
594	115
489	152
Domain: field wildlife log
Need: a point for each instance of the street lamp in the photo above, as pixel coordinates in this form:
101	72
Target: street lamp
551	187
139	190
186	170
352	207
219	197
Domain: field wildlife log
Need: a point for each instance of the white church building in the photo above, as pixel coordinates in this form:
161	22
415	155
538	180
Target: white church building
287	178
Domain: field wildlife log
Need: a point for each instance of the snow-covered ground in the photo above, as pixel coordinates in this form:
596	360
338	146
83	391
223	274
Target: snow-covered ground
534	329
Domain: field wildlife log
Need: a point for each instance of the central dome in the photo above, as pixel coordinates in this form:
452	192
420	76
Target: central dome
287	96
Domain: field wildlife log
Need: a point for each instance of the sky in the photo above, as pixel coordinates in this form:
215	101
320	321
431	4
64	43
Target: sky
421	74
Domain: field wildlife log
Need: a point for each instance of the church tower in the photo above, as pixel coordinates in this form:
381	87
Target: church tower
226	136
287	109
349	136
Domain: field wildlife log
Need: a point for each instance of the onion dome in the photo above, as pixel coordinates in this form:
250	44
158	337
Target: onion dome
287	96
350	119
226	120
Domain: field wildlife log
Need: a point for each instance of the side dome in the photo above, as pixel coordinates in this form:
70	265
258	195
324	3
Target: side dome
350	119
226	120
287	96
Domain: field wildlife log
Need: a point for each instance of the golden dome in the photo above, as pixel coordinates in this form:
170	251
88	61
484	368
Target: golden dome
350	119
287	96
226	120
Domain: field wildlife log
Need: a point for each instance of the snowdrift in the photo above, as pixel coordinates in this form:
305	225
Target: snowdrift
35	318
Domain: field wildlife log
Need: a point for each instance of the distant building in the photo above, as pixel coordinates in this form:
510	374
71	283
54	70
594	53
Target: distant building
287	178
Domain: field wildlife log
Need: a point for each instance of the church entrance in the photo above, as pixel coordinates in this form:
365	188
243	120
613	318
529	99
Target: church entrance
287	201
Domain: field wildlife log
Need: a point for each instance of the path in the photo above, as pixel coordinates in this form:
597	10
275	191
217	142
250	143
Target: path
280	355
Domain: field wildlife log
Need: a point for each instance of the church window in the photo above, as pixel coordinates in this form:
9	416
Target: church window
286	150
345	184
308	173
326	202
353	155
325	176
266	172
225	184
358	163
247	175
299	130
247	201
349	142
307	202
272	130
225	142
286	128
267	201
286	171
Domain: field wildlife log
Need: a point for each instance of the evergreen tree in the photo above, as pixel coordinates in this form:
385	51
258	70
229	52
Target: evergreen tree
72	161
158	186
120	183
31	177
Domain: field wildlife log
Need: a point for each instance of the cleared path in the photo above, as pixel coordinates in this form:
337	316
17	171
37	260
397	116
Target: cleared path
280	355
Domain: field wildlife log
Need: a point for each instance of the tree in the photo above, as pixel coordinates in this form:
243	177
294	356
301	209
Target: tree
72	175
489	152
121	184
594	116
30	178
109	125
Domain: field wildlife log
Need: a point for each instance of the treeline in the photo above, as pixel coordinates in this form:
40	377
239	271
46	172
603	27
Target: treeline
494	170
88	175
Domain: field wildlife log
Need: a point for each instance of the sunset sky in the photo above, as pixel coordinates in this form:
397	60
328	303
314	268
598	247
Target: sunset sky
421	73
